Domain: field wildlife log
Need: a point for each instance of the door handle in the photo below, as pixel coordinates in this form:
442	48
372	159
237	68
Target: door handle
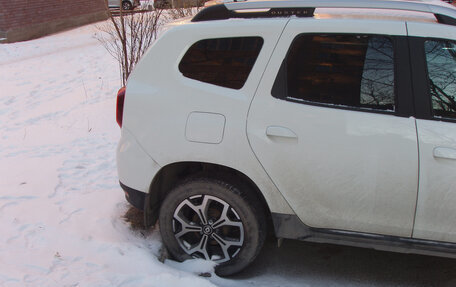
276	131
444	152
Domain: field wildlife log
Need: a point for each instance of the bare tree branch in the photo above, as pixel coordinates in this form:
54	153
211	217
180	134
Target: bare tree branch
128	36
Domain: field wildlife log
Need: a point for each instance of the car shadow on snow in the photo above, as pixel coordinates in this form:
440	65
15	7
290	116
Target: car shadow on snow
298	263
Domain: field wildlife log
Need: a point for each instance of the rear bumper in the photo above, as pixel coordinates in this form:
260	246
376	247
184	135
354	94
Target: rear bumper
136	169
133	196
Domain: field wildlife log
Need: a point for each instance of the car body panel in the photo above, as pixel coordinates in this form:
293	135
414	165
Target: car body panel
436	212
333	172
132	157
345	169
152	94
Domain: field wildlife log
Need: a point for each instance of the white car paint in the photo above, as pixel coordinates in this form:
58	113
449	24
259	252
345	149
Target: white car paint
346	170
132	157
369	182
164	99
205	127
436	212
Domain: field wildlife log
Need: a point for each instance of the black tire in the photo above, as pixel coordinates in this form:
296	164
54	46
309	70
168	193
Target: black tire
126	5
215	196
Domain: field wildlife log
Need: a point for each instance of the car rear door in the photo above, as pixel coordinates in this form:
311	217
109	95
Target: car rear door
433	49
341	160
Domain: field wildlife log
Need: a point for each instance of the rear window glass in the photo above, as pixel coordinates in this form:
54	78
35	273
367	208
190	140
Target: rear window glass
224	62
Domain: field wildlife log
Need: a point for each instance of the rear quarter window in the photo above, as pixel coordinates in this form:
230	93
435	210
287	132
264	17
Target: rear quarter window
224	62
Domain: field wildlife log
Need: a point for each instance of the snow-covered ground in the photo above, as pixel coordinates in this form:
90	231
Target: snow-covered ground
60	203
61	208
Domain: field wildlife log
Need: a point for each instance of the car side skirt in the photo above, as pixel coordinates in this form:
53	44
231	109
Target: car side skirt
291	227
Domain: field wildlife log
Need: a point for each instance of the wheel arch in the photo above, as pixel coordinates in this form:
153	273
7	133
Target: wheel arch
172	174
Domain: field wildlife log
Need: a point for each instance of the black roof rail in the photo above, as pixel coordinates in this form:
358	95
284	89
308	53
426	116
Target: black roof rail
221	12
444	13
444	19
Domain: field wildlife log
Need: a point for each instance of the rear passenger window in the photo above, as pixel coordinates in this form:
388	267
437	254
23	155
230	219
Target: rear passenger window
224	62
355	71
441	64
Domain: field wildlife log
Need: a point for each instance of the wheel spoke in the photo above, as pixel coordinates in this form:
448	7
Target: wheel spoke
201	247
200	210
224	220
186	226
225	244
204	207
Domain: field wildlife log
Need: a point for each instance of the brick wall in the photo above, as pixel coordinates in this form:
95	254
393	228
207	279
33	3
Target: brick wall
27	19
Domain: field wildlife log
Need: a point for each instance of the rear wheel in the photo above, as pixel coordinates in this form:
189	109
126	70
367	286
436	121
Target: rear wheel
213	220
126	5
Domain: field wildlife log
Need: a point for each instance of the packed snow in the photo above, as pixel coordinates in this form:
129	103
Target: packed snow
62	210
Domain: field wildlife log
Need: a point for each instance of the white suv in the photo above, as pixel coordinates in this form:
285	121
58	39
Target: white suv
320	121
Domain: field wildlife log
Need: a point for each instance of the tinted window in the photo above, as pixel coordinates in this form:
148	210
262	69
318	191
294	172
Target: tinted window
343	70
441	63
225	62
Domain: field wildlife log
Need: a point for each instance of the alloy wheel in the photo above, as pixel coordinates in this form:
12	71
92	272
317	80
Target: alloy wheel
208	227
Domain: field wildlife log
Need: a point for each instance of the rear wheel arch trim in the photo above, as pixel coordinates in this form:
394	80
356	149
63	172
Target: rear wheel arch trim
161	185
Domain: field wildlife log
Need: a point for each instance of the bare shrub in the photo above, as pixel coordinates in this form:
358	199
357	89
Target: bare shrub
127	36
184	12
181	8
